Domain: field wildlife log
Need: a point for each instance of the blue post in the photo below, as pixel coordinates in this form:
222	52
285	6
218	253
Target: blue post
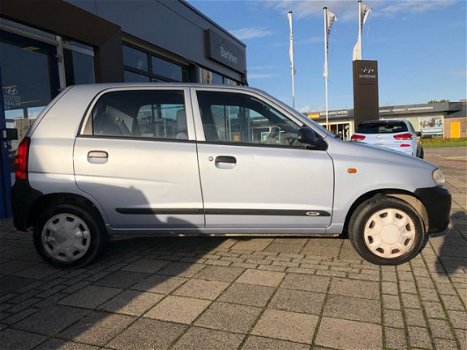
5	182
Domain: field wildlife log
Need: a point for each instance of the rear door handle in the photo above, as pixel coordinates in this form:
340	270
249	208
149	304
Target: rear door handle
226	162
98	157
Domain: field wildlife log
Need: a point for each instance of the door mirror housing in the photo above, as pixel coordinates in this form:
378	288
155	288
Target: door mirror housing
308	137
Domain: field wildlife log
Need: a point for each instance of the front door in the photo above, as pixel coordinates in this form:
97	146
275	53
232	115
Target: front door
136	159
254	173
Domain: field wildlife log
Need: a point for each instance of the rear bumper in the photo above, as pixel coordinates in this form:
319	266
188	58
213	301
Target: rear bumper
23	197
437	201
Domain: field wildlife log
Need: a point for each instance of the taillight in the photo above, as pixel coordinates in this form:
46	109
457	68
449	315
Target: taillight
21	161
405	136
357	137
404	145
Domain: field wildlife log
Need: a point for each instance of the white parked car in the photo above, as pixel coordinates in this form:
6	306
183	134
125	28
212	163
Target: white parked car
188	159
398	135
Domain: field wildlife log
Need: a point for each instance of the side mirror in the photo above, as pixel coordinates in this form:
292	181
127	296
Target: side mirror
418	133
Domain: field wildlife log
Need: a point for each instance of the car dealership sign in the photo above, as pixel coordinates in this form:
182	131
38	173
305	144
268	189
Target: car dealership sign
225	51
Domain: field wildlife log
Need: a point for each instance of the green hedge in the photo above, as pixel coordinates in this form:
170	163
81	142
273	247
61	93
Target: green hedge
462	142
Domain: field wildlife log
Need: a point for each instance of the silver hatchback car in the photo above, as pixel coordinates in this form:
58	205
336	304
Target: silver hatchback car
187	159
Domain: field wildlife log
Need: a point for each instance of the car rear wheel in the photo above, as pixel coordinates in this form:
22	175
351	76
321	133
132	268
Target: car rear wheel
68	235
386	231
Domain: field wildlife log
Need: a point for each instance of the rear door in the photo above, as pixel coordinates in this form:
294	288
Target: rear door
137	157
254	173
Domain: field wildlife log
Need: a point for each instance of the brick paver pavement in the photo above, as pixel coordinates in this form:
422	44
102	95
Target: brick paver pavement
216	293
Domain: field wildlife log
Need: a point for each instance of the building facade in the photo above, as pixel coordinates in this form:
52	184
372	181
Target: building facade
47	45
442	119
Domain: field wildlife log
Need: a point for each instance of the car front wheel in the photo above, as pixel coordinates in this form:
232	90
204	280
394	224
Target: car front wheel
68	235
386	231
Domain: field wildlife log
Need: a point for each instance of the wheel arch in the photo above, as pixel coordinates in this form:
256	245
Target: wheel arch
54	199
406	196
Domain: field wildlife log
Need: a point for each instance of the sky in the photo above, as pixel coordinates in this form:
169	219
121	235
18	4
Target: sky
420	46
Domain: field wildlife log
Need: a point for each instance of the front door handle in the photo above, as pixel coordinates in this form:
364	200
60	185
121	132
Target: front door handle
225	162
98	157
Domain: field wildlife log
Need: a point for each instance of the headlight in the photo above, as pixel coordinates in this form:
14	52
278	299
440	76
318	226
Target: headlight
438	177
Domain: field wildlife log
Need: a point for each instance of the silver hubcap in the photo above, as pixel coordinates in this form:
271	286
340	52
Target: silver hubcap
66	237
389	233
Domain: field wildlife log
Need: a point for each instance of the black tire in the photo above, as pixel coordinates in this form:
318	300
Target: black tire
84	216
361	218
422	153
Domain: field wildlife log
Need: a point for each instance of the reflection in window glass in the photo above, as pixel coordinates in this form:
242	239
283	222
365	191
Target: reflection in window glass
231	117
153	114
79	68
131	77
208	77
167	69
135	58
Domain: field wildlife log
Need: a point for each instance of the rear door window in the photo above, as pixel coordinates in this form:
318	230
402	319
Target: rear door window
156	114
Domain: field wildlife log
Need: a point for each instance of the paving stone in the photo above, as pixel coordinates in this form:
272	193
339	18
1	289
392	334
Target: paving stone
11	267
393	318
349	335
252	244
419	337
208	339
181	269
356	309
178	309
11	339
414	317
38	271
389	288
322	247
261	278
286	325
395	338
458	319
363	289
9	284
247	294
260	343
220	273
298	301
90	297
97	328
307	283
229	317
131	302
284	248
453	302
51	320
146	265
391	302
159	284
445	344
141	335
440	329
122	279
434	310
411	301
59	344
201	289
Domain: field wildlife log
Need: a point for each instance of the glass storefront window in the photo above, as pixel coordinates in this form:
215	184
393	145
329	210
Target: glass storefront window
166	69
79	68
131	77
135	58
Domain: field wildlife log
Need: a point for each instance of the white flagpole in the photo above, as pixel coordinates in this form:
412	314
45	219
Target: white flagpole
291	56
325	10
360	28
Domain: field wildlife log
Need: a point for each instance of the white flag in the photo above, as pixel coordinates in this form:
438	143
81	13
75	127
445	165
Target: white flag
291	51
331	18
365	13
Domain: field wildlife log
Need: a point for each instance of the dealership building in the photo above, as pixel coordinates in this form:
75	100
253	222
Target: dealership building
46	46
441	119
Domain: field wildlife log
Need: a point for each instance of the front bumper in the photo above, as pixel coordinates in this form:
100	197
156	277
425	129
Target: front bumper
23	197
437	201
